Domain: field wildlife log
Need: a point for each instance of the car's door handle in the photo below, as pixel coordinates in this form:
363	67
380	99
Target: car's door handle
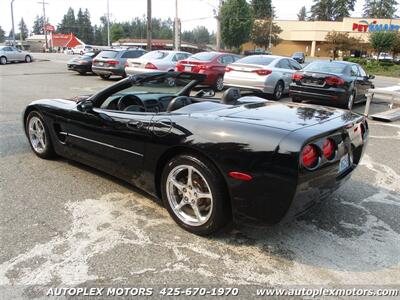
135	124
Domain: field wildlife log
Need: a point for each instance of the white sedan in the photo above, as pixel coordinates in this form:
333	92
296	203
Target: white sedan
9	54
158	60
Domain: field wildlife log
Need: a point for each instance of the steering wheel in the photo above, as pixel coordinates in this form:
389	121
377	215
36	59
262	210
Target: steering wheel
130	100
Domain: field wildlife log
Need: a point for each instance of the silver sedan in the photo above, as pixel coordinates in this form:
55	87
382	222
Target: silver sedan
268	74
159	60
9	54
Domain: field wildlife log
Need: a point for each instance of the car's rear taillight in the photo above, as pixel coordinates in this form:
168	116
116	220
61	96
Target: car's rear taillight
179	68
228	69
150	66
113	62
310	156
262	72
203	67
329	149
334	80
126	64
297	77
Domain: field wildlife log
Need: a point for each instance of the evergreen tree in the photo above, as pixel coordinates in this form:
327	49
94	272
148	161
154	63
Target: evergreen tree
343	9
260	33
2	35
117	32
23	29
380	9
262	9
38	25
68	23
201	36
323	10
236	23
302	15
84	26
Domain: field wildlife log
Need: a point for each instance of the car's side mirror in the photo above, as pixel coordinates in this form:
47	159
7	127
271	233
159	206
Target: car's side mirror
205	93
370	76
85	106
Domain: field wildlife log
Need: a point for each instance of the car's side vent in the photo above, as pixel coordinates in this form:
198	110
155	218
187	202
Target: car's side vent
60	133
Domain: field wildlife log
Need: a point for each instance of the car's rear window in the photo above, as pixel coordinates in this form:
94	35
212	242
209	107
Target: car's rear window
204	56
256	60
108	54
155	55
298	54
326	66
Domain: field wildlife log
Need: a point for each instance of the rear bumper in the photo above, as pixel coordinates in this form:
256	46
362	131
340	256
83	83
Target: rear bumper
134	71
82	68
327	96
108	71
263	84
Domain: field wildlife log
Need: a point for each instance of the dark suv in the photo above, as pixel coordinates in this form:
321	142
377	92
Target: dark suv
112	61
299	57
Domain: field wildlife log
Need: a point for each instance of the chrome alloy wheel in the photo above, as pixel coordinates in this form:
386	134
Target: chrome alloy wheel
37	136
279	91
220	83
189	195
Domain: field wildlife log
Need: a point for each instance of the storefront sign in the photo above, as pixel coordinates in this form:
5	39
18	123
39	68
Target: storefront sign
50	27
364	26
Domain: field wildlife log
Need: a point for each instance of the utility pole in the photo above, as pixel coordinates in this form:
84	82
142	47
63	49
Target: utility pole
270	36
148	25
44	22
218	34
12	20
177	33
108	23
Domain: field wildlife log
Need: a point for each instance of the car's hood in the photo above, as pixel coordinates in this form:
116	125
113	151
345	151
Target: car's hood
281	115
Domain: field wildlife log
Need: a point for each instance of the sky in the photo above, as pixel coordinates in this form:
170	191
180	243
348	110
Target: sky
191	12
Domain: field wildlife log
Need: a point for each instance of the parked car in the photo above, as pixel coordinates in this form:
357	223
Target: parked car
268	74
331	82
12	54
383	57
83	63
212	64
300	57
81	49
158	60
112	61
208	159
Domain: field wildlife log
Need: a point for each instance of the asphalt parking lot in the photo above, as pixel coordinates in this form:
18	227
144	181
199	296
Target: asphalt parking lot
65	224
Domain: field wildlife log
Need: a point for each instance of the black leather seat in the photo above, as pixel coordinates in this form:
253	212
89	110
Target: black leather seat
230	96
178	103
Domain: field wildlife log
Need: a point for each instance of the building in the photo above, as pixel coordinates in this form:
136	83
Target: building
55	41
309	36
159	44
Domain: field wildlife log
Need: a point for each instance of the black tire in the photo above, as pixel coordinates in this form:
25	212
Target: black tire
221	212
3	60
105	76
48	151
278	91
296	99
219	84
28	59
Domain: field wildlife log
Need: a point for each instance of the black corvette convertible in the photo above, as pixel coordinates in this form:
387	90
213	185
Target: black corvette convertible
208	159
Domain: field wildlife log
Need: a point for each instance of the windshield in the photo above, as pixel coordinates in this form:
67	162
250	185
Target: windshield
326	66
204	56
89	54
108	54
256	60
298	54
155	55
2	48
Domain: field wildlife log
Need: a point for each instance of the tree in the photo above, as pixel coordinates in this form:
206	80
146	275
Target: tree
382	41
2	35
201	36
38	25
68	23
380	9
23	29
322	10
302	15
117	32
338	41
396	45
236	22
343	9
84	26
261	31
262	9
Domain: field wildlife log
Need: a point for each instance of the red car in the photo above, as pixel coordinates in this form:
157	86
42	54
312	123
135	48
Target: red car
210	63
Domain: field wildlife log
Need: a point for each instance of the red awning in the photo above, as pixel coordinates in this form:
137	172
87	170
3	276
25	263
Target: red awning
64	40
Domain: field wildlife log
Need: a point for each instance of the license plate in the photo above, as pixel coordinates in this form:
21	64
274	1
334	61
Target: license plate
188	69
344	163
101	64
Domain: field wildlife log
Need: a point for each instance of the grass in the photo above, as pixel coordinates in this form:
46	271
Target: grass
378	68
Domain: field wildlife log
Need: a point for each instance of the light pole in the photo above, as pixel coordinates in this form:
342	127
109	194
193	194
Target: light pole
149	40
218	17
108	23
12	20
270	36
176	27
